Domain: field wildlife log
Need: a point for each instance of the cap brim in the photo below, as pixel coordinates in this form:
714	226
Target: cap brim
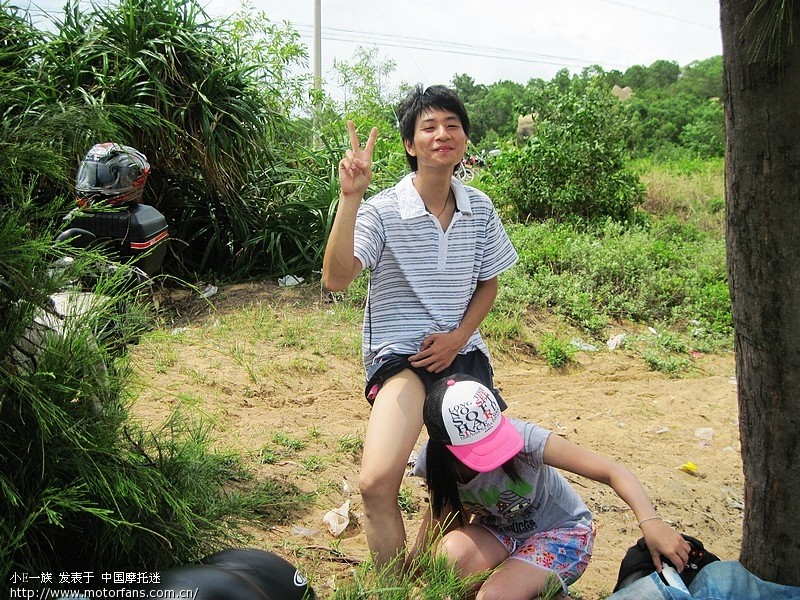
503	444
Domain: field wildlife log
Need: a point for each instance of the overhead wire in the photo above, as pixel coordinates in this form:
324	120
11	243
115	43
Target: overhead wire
658	14
349	35
429	45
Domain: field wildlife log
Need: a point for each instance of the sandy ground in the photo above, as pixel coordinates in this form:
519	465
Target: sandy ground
251	385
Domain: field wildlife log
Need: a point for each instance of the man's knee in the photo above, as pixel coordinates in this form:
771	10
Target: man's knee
378	486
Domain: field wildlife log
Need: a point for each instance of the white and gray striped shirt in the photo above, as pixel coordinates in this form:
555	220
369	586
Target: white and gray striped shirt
422	278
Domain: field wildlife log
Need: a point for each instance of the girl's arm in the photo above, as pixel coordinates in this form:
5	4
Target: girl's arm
661	539
431	531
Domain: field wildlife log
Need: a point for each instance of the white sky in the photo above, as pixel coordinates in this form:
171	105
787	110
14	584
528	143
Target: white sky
493	40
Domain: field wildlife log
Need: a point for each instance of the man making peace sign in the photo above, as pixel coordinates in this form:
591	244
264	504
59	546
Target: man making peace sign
434	248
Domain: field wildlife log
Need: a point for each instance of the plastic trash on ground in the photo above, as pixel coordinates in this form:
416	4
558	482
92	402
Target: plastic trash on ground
338	519
704	433
615	341
289	280
581	345
304	531
208	291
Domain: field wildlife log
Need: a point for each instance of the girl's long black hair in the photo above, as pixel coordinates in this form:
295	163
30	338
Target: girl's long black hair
441	477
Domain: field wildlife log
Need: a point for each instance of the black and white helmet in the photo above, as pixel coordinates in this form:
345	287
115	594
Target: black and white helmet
111	174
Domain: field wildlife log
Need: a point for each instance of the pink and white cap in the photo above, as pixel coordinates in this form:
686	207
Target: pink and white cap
477	432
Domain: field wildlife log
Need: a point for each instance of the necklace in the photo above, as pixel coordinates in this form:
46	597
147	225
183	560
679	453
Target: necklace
446	202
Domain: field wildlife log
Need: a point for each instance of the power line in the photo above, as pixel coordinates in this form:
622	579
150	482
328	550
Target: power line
349	35
389	26
424	44
658	14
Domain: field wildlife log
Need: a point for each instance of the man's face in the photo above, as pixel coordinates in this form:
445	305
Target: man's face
439	140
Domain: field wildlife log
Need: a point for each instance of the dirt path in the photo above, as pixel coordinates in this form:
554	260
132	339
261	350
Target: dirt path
251	385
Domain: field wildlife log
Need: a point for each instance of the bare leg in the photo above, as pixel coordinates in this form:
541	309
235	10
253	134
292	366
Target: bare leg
519	580
394	427
474	550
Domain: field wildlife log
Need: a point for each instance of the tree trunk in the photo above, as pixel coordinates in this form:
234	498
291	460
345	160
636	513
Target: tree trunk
762	185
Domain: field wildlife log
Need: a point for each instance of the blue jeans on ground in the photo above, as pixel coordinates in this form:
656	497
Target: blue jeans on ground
721	580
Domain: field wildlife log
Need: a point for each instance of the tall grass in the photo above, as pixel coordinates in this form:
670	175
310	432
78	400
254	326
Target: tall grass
691	189
82	487
428	577
207	101
666	272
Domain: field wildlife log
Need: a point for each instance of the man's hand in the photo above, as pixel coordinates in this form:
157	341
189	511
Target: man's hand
355	169
438	351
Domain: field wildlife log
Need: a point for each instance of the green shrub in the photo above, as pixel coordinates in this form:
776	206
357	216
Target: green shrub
573	166
83	488
555	351
667	271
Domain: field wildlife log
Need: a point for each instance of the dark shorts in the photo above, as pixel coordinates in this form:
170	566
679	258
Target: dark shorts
472	363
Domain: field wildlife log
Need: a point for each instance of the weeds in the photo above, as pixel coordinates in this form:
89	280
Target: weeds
428	577
406	501
351	444
557	353
288	442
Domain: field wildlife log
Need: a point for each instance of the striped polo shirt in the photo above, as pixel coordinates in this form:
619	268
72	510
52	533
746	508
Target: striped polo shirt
422	278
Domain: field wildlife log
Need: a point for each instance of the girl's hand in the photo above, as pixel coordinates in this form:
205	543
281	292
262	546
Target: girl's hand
355	169
663	541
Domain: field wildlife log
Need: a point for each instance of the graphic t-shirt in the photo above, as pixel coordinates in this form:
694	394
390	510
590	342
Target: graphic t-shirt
541	501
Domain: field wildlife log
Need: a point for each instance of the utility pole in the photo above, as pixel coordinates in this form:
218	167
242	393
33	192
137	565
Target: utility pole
318	52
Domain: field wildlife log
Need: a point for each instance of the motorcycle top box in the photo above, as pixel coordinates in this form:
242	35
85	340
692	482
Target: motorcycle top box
135	233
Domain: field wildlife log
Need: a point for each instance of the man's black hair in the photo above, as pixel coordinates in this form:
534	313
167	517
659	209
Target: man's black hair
421	99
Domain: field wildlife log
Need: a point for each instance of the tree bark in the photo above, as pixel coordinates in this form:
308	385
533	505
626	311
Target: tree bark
762	186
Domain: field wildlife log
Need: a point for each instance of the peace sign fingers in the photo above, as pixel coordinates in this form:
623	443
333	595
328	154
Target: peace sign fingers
355	144
355	169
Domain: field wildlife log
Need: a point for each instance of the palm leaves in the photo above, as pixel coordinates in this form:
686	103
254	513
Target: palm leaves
205	101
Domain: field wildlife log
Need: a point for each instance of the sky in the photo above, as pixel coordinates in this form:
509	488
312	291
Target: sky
490	40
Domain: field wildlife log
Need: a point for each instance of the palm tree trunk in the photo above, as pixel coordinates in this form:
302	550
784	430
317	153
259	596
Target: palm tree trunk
761	52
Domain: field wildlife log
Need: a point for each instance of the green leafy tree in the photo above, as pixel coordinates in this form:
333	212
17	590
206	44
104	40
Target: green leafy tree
704	134
677	111
574	165
466	88
496	111
701	78
662	74
649	81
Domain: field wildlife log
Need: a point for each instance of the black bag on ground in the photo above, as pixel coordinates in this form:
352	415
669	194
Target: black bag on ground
638	563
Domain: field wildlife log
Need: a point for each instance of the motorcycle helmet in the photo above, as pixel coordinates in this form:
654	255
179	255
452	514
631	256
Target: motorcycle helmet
111	174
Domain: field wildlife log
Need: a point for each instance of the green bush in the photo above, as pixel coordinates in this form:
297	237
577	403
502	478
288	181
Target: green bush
573	166
208	102
555	351
662	272
83	488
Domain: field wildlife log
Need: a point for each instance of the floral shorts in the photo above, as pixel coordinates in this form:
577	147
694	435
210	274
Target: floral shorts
566	551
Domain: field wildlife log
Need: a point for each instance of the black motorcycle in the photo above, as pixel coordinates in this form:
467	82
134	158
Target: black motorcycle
131	239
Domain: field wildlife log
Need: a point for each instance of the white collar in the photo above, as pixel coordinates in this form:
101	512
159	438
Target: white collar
411	204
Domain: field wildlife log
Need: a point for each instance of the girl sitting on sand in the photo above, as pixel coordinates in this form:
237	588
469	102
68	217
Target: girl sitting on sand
500	503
